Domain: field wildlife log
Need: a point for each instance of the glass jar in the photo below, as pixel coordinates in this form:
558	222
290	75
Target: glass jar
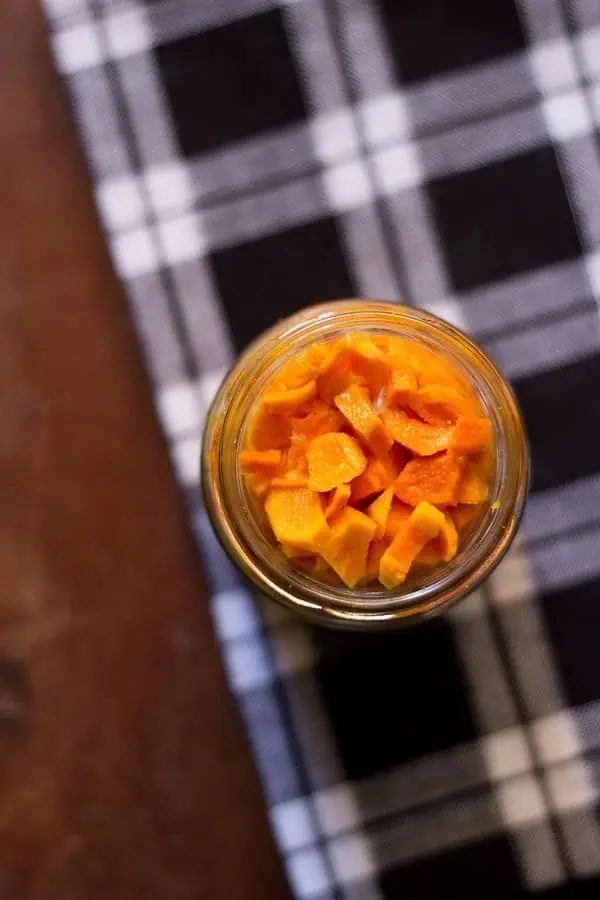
233	512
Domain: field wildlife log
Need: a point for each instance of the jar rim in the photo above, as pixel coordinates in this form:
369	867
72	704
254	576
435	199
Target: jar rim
243	539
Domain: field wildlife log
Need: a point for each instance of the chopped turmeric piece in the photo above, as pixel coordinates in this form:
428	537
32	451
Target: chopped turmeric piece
378	475
294	374
421	527
379	511
287	401
370	362
471	435
398	515
296	517
403	385
371	454
420	437
439	404
434	479
348	544
473	487
319	419
355	406
333	459
269	432
291	478
258	483
338	374
260	460
463	514
337	501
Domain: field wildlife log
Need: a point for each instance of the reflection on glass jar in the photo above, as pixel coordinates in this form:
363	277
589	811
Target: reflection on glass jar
238	522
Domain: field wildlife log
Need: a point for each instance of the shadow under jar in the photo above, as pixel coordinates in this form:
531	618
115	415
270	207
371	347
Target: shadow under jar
240	524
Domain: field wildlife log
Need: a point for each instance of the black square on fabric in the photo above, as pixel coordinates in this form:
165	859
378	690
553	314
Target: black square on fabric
264	280
549	400
430	37
573	619
503	219
482	871
231	83
392	698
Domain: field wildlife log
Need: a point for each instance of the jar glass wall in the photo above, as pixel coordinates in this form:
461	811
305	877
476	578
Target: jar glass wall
236	518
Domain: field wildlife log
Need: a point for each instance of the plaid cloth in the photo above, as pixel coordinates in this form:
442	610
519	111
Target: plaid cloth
249	157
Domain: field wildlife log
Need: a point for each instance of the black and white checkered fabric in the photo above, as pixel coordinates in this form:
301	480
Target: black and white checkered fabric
253	156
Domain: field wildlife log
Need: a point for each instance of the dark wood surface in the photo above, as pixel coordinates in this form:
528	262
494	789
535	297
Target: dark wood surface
124	771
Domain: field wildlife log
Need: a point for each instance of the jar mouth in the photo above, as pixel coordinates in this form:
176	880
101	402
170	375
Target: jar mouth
236	519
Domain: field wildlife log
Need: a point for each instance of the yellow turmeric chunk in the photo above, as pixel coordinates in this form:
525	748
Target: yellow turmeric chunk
333	459
440	404
268	431
421	527
348	545
294	374
379	511
432	369
319	419
259	484
442	548
378	475
471	435
464	514
296	553
402	386
337	501
287	401
370	362
355	406
292	479
296	517
376	551
338	373
420	437
474	486
433	479
397	518
260	460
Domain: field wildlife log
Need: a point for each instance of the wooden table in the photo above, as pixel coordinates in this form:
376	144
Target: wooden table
124	771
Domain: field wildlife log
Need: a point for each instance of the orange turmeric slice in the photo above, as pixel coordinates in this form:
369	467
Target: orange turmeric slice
319	419
334	459
377	476
471	435
370	362
433	479
420	437
259	484
376	551
337	375
292	479
421	527
348	545
397	518
260	460
355	406
296	517
463	514
379	511
288	400
268	431
473	487
439	404
337	501
402	386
